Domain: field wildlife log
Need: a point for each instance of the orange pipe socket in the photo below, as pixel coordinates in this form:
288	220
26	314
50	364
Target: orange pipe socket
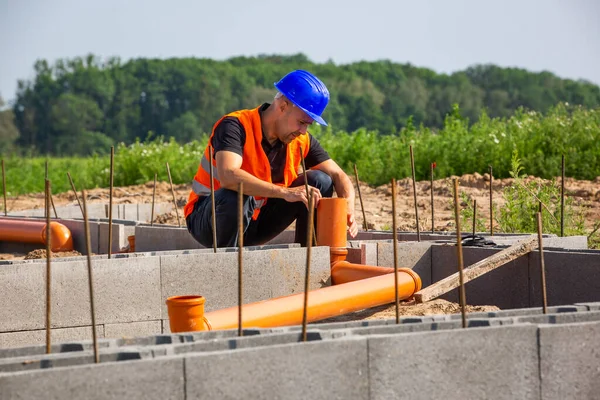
186	314
322	303
27	231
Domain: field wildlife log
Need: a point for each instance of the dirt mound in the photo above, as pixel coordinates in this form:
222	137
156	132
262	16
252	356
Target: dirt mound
41	253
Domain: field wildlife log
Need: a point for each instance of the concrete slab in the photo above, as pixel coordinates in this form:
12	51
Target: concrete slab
160	379
319	370
480	363
561	318
571	277
289	268
505	287
413	255
570	361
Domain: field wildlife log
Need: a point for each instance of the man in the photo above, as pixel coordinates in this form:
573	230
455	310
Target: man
261	148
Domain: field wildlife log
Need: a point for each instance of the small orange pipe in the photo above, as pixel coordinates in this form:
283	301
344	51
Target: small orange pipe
331	222
186	314
344	272
28	231
322	303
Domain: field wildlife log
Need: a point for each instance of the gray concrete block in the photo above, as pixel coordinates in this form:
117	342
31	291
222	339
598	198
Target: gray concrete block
571	277
160	379
570	361
160	238
77	229
313	370
561	318
595	306
413	255
67	359
125	290
505	287
482	363
215	277
119	240
289	267
57	335
131	329
70	346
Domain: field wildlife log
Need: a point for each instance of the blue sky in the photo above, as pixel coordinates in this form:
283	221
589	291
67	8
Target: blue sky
558	36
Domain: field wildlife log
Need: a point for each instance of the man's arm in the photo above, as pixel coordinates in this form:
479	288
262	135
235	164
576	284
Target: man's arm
343	188
230	174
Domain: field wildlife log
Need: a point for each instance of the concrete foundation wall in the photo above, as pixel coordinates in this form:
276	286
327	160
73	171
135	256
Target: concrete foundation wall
130	293
132	212
524	361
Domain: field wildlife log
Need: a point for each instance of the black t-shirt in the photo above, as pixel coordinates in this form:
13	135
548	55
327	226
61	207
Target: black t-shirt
230	135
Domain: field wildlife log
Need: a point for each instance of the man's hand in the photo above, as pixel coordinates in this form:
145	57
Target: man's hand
352	225
298	193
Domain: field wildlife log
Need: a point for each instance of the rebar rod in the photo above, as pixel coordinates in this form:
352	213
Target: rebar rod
307	271
110	199
212	201
412	166
542	268
153	199
173	193
463	300
75	192
240	257
48	270
362	207
395	244
88	248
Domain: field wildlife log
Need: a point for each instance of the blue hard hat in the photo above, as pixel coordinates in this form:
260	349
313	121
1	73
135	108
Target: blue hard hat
306	91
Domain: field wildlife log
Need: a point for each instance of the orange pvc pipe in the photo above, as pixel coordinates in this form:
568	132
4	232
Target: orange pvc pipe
186	314
28	231
322	303
331	222
344	272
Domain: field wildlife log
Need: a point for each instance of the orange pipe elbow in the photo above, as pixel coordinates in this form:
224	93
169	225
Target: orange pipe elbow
322	303
28	231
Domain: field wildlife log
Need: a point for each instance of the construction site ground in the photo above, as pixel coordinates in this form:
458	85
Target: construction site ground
378	209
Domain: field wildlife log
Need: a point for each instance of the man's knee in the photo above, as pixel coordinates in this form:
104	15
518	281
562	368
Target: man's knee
322	181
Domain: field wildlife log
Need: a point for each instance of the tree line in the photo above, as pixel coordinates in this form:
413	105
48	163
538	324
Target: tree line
85	105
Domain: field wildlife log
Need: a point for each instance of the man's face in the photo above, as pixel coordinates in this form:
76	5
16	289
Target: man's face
293	123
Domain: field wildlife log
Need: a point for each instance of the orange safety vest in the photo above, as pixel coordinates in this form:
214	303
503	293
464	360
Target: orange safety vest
254	160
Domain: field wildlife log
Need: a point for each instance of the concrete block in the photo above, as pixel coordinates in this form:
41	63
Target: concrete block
159	379
595	306
505	287
67	359
289	268
413	255
119	240
313	370
571	277
132	329
570	361
125	290
160	238
57	335
215	276
562	318
77	229
482	363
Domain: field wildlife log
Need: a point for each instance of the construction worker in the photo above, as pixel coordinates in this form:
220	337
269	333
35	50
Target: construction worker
261	148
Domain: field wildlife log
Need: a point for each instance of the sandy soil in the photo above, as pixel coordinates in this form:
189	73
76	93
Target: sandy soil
377	200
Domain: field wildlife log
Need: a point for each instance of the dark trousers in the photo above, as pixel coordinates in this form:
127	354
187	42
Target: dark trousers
274	217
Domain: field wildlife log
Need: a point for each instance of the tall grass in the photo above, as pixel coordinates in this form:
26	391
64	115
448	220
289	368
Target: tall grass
457	149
